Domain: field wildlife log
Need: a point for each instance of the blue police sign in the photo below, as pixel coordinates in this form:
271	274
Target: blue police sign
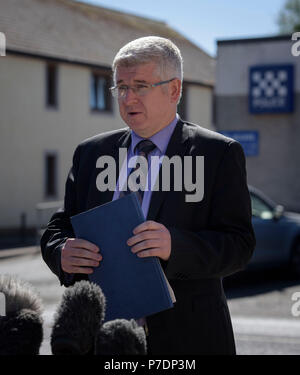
271	89
249	140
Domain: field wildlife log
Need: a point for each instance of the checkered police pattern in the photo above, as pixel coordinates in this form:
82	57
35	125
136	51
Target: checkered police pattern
271	89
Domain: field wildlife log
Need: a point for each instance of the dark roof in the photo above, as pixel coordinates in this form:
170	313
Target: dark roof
82	33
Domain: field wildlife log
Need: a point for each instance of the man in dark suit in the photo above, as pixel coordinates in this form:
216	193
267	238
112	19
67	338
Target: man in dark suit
198	241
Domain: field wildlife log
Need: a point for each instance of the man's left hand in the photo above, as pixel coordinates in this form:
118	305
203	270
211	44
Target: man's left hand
151	239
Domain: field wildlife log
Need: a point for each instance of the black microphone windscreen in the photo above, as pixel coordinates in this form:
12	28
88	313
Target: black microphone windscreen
78	318
121	337
21	328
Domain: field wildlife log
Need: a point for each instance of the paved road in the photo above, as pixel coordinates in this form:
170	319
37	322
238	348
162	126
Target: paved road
260	306
31	268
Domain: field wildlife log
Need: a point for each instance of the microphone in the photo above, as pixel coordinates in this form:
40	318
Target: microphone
21	327
121	337
78	319
78	327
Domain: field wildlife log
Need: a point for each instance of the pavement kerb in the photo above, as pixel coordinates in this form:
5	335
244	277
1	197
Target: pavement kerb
28	250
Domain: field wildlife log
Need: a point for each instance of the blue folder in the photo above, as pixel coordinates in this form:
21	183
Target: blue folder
134	287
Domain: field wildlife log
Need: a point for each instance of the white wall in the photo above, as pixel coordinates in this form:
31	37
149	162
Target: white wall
28	129
199	105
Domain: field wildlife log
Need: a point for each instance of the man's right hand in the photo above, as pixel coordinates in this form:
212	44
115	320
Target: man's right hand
79	256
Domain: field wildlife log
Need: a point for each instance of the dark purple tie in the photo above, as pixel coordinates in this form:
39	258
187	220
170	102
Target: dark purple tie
143	148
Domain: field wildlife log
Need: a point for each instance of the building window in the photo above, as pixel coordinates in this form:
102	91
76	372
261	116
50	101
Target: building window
51	85
50	175
100	98
181	109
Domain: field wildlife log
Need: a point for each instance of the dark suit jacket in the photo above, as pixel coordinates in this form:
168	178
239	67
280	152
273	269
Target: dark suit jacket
211	239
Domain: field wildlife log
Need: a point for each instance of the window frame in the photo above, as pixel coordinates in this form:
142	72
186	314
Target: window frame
95	75
182	106
47	193
51	66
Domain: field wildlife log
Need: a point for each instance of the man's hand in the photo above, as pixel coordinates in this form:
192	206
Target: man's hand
79	256
151	239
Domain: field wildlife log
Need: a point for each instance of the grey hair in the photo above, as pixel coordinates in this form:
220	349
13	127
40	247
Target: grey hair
151	49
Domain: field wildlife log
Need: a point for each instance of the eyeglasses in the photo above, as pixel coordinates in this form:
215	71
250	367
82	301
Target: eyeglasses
140	89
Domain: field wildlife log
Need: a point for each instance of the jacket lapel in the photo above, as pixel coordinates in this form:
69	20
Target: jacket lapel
123	142
177	146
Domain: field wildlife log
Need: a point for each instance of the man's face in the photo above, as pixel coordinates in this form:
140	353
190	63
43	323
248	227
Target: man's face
148	114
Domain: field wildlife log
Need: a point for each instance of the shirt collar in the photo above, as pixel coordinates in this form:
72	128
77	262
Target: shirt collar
160	139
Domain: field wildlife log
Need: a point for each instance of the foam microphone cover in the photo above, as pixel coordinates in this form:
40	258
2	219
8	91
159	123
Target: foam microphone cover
121	337
78	319
21	328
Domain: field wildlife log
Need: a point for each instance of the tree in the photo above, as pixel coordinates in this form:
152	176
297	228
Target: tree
289	17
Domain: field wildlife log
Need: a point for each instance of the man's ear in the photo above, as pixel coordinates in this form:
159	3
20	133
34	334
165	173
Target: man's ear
175	89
